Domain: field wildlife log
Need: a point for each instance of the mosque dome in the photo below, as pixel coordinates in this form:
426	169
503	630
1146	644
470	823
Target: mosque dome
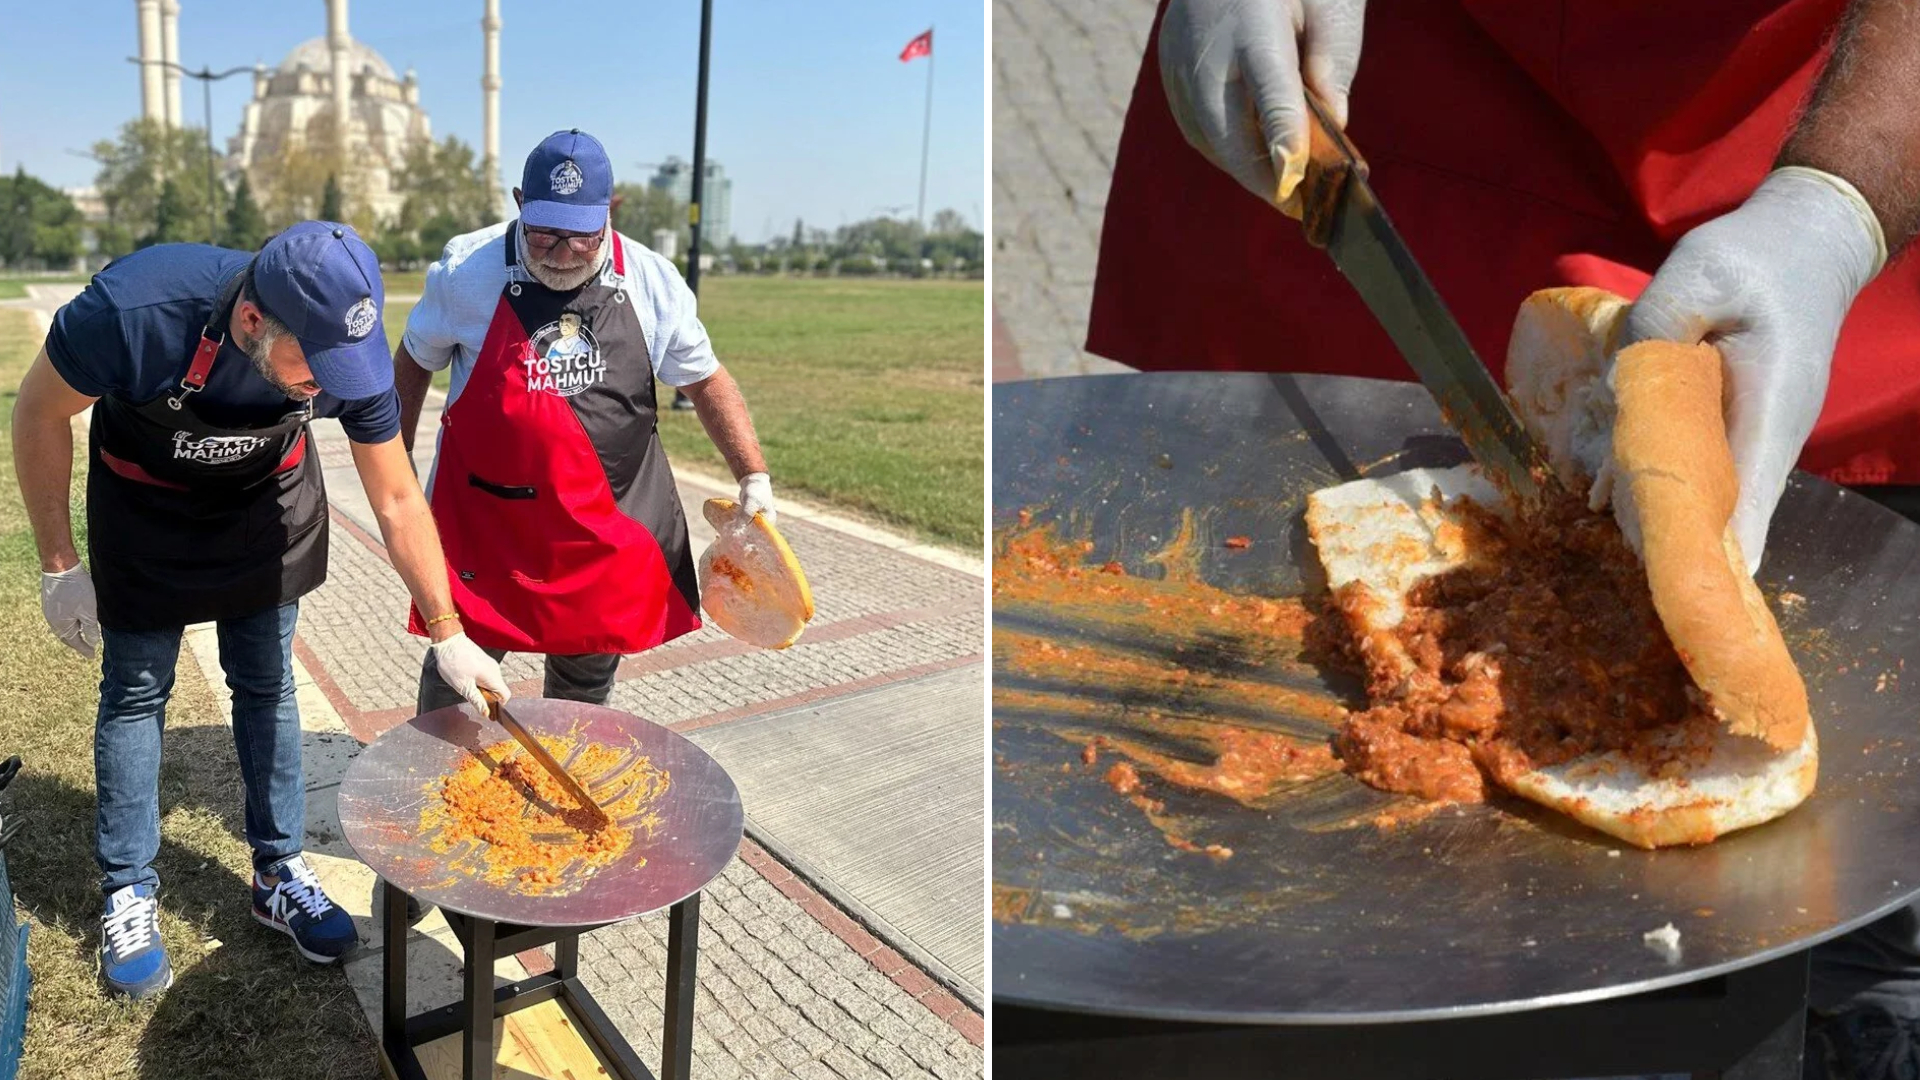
314	55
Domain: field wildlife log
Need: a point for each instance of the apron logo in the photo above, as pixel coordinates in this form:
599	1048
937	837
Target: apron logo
563	359
215	449
361	317
566	178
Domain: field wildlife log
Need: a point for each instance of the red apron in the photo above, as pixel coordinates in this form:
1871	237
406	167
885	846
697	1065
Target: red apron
1518	144
556	506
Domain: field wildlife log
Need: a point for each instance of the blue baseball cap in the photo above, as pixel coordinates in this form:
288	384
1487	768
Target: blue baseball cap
323	282
567	184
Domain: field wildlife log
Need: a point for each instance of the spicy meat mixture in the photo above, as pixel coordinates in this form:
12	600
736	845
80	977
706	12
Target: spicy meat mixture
1543	648
504	816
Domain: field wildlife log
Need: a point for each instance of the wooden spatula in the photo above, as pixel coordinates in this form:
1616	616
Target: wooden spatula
497	712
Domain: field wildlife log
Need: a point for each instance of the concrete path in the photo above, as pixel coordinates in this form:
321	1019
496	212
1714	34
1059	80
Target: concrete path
1063	72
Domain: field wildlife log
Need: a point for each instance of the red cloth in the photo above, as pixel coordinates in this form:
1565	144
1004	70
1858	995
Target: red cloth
1517	144
920	46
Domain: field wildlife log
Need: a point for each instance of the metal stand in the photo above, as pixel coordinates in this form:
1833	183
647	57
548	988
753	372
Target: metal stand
1745	1026
486	941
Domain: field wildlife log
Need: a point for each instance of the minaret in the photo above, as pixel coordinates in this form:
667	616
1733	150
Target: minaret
490	94
153	87
337	42
170	52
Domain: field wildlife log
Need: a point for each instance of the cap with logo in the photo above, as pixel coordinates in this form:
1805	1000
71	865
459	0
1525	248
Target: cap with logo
323	282
567	183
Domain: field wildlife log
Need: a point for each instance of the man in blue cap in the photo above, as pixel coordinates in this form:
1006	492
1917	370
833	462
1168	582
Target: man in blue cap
205	503
562	525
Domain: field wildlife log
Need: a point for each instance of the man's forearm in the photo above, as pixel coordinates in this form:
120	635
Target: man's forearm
410	381
1862	122
723	412
406	525
43	463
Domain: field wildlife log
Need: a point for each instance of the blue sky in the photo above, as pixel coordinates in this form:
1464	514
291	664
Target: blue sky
809	108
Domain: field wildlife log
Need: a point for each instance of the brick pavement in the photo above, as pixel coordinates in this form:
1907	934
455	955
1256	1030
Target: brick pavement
1063	72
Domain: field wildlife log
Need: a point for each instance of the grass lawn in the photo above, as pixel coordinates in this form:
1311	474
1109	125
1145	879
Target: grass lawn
243	1003
868	394
14	288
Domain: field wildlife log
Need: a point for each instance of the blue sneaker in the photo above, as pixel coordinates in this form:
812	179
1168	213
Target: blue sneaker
132	959
289	898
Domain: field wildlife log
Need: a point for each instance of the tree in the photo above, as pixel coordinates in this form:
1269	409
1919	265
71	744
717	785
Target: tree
948	223
290	180
799	235
644	209
173	218
330	208
246	225
447	193
133	170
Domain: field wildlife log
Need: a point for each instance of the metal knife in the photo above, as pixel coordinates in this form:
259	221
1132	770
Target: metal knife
1342	215
497	712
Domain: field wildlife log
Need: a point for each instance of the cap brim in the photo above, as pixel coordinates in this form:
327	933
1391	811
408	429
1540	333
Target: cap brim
569	216
351	372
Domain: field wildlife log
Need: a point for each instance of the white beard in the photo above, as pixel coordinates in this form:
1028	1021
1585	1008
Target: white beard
570	279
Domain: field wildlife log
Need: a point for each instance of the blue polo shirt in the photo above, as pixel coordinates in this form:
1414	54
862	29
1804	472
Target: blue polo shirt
132	333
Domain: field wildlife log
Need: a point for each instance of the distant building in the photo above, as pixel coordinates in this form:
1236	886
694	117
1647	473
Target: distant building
716	197
93	214
666	242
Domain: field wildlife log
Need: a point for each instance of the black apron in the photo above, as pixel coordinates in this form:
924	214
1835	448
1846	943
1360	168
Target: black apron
189	522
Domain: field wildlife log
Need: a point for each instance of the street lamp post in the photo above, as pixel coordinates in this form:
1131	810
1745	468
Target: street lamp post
207	78
680	399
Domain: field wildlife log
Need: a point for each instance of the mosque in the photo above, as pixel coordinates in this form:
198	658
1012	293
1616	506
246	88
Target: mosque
322	79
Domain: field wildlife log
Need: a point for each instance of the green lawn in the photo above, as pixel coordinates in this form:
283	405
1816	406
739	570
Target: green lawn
243	1003
14	288
868	395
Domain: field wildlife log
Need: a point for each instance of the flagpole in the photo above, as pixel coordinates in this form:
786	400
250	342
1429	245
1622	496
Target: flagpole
926	132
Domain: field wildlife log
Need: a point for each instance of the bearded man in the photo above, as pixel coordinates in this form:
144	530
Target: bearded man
564	531
205	503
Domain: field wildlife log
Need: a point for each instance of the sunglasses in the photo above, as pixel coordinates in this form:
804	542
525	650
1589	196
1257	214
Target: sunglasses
544	240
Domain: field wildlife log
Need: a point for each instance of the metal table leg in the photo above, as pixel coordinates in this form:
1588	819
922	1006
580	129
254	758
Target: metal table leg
683	953
481	1003
1743	1026
476	1061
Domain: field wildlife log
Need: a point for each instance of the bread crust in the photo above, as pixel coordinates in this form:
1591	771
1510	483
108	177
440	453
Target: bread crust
1672	462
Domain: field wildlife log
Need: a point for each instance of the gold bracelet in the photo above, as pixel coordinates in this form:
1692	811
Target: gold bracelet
443	618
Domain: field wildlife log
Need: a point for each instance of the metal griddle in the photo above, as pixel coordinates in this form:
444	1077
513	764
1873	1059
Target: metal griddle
1320	917
386	786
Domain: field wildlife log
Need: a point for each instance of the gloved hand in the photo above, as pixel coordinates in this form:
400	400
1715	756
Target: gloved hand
756	496
67	600
466	667
1769	284
1233	70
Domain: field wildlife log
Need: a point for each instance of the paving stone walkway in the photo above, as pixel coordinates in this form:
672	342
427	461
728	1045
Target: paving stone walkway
1063	72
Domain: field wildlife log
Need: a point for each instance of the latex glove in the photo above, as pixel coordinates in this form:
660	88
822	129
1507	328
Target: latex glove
67	600
466	667
756	496
1233	70
1769	284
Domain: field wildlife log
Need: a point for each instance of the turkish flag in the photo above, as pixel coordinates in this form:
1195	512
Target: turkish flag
920	46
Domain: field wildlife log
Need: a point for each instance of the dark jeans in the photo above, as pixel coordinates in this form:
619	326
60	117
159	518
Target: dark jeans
587	677
1878	964
136	678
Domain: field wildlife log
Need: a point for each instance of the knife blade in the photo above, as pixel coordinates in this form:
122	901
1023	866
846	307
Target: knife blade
1342	214
497	712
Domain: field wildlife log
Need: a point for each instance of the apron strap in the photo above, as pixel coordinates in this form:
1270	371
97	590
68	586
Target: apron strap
212	336
619	255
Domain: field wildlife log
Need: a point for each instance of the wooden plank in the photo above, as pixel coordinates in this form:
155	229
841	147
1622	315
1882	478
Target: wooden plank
537	1043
